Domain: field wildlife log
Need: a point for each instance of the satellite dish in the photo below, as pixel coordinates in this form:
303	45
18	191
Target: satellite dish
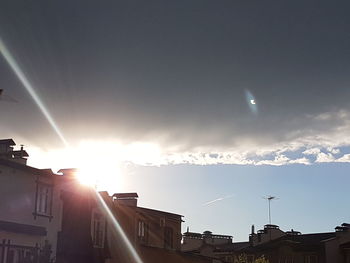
4	97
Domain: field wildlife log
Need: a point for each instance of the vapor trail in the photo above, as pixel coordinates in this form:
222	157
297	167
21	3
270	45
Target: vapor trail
28	86
217	200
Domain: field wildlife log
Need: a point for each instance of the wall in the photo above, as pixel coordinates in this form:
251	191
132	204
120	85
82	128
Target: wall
17	194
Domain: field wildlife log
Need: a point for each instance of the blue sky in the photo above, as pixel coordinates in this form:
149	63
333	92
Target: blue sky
313	198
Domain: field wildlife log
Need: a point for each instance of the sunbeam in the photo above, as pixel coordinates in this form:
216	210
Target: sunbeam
119	229
28	86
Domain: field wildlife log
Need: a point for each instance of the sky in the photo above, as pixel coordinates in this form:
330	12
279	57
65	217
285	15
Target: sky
165	89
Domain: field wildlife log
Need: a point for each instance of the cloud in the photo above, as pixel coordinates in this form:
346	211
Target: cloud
324	158
312	151
344	159
317	142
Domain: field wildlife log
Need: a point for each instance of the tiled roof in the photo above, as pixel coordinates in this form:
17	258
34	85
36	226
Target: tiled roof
8	142
148	210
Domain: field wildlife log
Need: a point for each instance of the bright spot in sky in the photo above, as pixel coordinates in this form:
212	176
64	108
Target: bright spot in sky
251	101
98	163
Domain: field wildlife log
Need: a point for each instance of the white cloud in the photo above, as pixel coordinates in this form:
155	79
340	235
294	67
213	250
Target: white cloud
317	145
303	160
333	150
312	151
344	159
324	158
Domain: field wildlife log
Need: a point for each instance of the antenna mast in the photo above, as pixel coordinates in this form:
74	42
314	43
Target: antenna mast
269	198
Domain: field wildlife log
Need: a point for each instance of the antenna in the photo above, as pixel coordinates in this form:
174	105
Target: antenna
269	198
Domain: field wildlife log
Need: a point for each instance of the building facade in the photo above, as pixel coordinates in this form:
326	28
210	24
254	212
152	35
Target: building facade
36	209
155	235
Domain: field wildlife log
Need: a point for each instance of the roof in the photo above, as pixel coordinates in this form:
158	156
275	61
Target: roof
310	238
148	210
26	168
22	228
7	142
240	245
152	255
302	241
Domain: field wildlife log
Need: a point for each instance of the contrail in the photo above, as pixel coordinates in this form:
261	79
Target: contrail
28	86
217	200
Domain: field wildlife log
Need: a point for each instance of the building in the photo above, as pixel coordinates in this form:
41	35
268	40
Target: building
293	246
42	213
155	235
50	217
274	245
210	245
338	247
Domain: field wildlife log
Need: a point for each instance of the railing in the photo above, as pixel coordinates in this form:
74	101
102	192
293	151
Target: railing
11	253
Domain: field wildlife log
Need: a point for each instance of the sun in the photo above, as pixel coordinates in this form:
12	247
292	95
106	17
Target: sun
98	169
99	175
100	164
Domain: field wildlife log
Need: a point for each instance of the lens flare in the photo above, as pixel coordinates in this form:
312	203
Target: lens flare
28	86
119	229
251	102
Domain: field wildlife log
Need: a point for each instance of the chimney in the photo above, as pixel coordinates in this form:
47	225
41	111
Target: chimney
7	152
253	230
128	199
6	148
20	156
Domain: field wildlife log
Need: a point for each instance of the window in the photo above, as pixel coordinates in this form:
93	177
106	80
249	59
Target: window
168	237
98	229
142	231
43	200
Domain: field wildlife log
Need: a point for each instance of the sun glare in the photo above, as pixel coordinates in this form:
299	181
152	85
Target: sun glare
99	163
99	175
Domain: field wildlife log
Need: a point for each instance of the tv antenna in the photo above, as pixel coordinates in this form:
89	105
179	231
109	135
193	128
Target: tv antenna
270	198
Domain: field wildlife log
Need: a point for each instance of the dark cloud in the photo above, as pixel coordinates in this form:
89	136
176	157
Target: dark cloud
176	71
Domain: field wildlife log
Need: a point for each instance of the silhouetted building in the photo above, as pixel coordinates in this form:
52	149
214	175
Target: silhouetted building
338	247
210	245
293	246
269	233
155	235
274	245
44	217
